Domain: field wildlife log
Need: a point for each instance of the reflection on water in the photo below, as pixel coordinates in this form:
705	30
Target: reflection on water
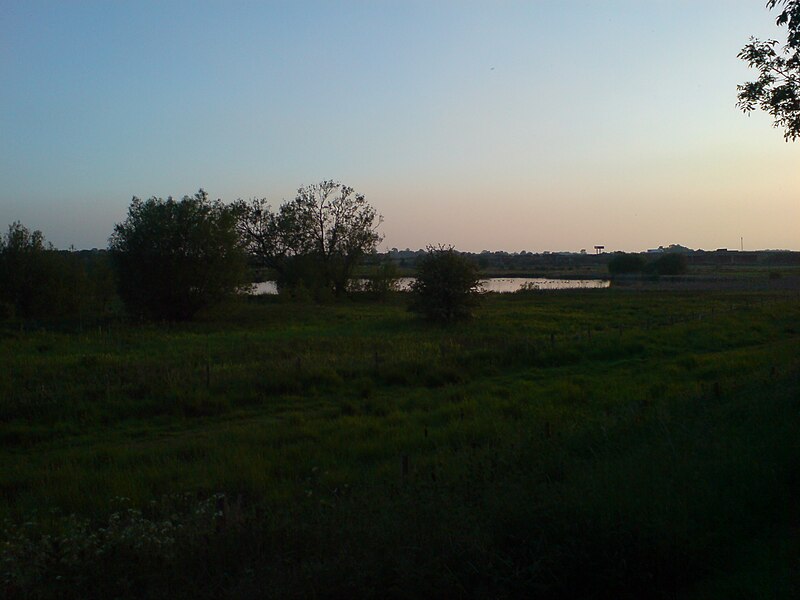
514	284
269	288
493	284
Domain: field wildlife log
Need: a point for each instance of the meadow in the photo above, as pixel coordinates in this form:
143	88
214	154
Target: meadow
618	443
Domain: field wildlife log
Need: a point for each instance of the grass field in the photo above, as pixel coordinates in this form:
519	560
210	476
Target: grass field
606	443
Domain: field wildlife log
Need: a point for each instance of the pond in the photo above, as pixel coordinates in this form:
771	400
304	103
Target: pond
502	285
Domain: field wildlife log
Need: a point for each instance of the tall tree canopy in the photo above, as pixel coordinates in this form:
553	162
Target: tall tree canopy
323	232
777	89
175	257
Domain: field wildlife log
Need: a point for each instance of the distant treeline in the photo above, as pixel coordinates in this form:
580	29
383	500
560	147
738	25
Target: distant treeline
499	261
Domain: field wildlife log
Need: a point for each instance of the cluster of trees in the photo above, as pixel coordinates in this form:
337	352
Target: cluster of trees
172	258
314	241
175	257
37	281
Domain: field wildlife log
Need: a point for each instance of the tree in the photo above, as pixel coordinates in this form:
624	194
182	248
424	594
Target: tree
174	258
36	280
26	266
321	235
446	287
777	89
341	227
272	238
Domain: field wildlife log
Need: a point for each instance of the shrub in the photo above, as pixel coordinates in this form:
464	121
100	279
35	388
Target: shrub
669	264
622	263
300	277
447	287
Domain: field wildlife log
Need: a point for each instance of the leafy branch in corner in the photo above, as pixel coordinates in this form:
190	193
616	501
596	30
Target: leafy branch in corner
777	89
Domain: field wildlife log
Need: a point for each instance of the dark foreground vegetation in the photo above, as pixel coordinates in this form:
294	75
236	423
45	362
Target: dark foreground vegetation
607	443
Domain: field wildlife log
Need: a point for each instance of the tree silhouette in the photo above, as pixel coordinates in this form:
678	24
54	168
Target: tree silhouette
318	238
446	287
777	89
175	257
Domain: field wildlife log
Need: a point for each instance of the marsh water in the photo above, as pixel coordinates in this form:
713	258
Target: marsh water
492	284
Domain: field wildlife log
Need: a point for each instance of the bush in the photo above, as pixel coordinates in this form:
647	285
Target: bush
622	263
174	258
447	287
302	278
669	264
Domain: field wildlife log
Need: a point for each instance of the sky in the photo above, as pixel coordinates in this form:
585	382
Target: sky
538	125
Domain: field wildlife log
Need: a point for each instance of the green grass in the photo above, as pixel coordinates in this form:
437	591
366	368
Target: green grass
599	443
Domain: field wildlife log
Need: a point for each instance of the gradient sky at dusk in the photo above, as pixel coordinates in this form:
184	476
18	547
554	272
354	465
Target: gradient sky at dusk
538	125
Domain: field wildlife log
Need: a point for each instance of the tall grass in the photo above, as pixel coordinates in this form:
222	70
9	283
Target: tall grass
579	444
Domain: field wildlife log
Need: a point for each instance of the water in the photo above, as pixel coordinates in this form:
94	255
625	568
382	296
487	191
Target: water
502	285
506	285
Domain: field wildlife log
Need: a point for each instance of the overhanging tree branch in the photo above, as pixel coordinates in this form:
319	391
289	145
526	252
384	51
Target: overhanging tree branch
777	89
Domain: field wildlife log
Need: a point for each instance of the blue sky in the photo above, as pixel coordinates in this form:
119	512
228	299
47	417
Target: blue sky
551	125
